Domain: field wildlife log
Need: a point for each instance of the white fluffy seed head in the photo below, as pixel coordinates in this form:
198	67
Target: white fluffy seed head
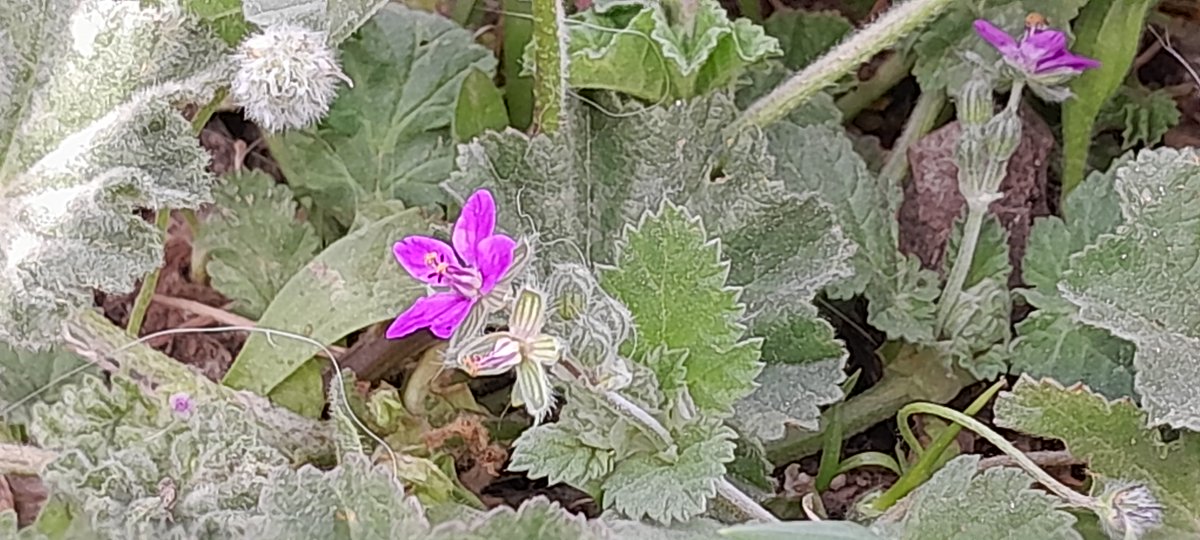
1129	510
287	77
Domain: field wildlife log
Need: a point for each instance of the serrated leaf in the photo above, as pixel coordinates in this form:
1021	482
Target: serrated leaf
352	284
639	48
353	501
996	504
677	488
340	18
941	64
981	317
389	136
1138	282
1142	116
536	518
805	35
254	241
90	131
33	377
1051	342
1113	438
672	279
224	17
480	107
578	189
555	452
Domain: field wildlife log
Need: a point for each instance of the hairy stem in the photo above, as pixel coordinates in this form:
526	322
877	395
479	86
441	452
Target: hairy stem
1068	495
931	457
890	73
962	263
550	64
199	259
141	303
890	28
924	115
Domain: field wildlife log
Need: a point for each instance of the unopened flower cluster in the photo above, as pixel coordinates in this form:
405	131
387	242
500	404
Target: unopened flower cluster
468	279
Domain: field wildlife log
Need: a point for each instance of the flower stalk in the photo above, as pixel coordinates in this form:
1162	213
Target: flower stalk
550	64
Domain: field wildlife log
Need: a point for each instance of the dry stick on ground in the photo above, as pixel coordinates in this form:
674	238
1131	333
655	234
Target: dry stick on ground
221	316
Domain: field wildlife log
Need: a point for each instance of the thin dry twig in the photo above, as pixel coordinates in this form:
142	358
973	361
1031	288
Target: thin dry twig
1166	45
220	315
1046	458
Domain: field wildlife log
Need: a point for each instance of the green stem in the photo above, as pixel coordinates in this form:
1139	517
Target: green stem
924	116
550	64
890	73
199	260
162	221
890	28
931	457
416	386
962	263
1068	495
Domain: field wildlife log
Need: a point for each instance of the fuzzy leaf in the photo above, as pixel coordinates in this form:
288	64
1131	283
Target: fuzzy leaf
555	452
1112	437
353	284
254	241
633	47
536	518
1051	342
353	501
672	488
33	377
1139	281
480	107
224	17
388	138
940	61
90	131
998	503
672	279
808	530
577	191
805	35
338	17
981	316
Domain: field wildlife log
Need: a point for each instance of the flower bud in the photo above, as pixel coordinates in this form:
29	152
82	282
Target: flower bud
287	77
1128	510
1002	134
975	104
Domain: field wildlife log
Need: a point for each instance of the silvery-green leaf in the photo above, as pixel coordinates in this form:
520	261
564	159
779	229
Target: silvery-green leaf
91	130
536	518
254	241
960	502
1142	115
1139	281
34	377
388	137
340	18
1114	440
805	35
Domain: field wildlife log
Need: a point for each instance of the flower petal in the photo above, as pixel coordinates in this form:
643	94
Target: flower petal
426	259
533	390
475	224
996	37
495	256
1067	61
427	311
1043	44
446	322
505	355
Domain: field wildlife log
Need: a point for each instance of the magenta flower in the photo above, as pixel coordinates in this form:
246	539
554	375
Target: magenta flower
1041	53
181	404
469	271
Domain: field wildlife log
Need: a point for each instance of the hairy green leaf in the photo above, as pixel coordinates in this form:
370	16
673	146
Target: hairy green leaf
352	284
1113	438
480	107
996	504
555	452
1139	281
941	63
981	316
1109	31
90	131
641	49
577	190
254	241
340	18
223	16
1051	342
805	35
33	377
672	279
808	530
388	138
536	518
672	487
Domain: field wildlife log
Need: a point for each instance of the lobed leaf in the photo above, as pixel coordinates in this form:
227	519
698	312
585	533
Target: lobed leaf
996	504
1113	437
90	131
1137	282
387	138
340	18
33	377
1142	116
254	241
805	35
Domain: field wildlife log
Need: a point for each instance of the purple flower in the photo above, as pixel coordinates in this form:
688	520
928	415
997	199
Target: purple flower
1041	51
181	404
469	271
